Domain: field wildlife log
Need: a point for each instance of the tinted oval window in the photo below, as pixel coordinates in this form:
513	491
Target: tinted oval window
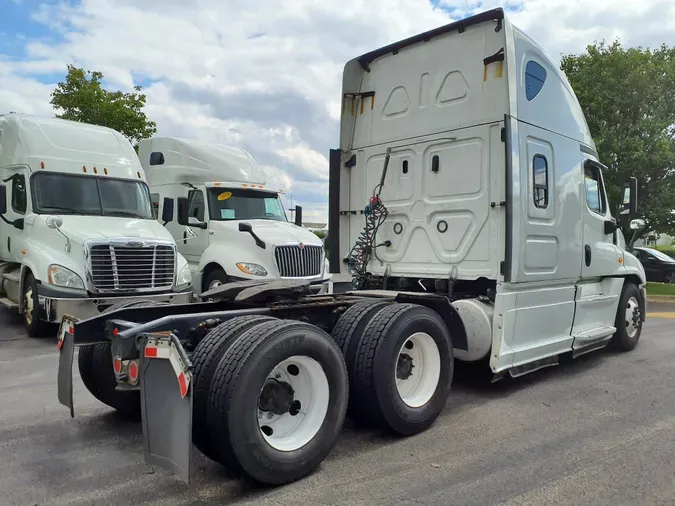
535	77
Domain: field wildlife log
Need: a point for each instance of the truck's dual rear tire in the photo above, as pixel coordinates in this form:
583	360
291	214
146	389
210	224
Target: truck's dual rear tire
400	362
205	359
277	398
95	364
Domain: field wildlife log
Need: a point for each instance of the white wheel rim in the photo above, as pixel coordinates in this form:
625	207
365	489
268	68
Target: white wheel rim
214	284
294	429
632	317
29	306
417	386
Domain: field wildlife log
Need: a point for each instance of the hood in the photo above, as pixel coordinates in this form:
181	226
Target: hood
81	228
272	232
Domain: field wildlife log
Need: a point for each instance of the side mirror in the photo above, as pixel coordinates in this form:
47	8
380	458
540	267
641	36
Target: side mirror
245	227
183	211
637	224
54	222
629	197
3	199
167	210
194	222
298	216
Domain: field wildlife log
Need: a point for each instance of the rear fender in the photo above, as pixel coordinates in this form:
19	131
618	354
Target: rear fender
445	310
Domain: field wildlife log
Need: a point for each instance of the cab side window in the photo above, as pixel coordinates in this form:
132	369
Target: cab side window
595	192
196	205
19	199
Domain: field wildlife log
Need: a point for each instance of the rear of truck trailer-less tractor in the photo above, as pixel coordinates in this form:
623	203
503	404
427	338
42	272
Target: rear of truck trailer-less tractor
476	228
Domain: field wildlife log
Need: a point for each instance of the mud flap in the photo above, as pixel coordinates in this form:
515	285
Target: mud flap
66	346
166	406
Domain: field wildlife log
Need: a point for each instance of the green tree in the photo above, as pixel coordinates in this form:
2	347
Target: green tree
628	97
81	97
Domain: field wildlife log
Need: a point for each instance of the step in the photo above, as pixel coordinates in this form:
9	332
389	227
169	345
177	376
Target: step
8	304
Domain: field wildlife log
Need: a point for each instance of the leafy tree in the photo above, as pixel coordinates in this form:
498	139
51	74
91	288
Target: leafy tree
628	97
81	97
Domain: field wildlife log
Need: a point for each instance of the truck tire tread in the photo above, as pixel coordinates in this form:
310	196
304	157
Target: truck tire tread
375	401
205	360
242	449
621	341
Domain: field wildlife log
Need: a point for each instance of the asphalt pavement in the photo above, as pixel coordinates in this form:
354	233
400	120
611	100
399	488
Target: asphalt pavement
598	431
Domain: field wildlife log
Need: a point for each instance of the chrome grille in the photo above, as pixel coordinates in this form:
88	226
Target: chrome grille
297	262
127	268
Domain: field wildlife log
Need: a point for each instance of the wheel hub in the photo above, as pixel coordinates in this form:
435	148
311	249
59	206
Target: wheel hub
404	366
277	397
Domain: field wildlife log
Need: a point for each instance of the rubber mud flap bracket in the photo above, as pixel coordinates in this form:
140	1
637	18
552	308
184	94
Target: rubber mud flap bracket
166	411
65	374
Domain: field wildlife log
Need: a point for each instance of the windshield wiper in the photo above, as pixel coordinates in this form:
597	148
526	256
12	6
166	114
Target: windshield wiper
131	214
67	209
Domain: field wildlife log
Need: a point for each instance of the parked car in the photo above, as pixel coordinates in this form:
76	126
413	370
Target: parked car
659	267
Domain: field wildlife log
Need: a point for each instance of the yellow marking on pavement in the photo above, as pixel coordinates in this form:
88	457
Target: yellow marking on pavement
660	315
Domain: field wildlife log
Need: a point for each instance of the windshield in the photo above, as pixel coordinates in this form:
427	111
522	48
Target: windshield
90	195
240	204
661	256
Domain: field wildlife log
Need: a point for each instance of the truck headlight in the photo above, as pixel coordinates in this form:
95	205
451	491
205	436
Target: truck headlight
60	276
184	277
252	269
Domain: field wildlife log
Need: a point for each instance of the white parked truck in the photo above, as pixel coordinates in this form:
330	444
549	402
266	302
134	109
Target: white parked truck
77	234
467	201
231	225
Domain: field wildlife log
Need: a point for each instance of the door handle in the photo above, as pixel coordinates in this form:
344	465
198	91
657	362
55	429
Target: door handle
185	237
587	255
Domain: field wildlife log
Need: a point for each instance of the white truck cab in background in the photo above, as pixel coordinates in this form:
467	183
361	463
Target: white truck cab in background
77	231
233	225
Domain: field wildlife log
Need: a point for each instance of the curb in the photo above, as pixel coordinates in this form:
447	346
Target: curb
661	298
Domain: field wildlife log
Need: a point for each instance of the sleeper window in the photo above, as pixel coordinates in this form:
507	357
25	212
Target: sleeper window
19	202
535	77
540	180
595	195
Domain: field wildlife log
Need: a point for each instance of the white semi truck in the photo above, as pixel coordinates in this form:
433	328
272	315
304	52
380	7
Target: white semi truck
77	234
231	225
467	201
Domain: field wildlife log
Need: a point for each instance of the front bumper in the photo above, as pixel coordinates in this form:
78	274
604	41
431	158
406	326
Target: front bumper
54	308
322	287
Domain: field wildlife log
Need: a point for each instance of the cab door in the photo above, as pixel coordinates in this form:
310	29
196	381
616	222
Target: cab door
597	294
15	180
195	240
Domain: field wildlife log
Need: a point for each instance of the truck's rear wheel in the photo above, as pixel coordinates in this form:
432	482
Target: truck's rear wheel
204	360
403	369
278	401
96	369
628	319
348	332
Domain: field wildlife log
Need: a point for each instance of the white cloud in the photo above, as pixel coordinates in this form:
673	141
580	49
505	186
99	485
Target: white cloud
266	75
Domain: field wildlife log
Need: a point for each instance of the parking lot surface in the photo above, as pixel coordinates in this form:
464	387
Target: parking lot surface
598	431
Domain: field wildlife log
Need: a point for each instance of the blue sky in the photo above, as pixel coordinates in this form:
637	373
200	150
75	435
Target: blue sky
262	74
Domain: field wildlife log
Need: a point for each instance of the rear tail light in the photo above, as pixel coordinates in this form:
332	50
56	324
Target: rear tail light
117	365
133	372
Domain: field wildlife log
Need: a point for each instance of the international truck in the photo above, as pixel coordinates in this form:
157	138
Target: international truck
77	234
235	226
468	202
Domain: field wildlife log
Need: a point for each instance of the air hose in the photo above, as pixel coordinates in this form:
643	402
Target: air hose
365	247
